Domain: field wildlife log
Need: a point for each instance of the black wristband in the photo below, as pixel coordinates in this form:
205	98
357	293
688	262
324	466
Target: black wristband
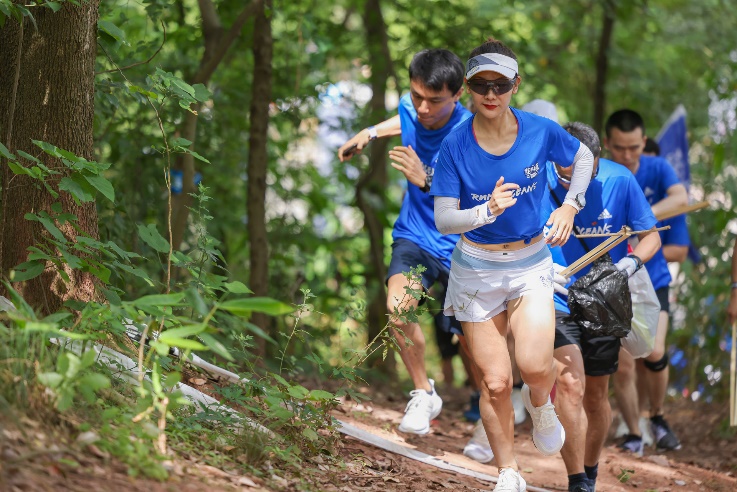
637	259
428	183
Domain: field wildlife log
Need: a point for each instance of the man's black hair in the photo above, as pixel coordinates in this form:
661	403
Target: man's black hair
437	69
624	120
651	147
586	135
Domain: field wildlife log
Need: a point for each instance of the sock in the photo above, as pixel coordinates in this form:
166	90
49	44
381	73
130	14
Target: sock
592	471
576	478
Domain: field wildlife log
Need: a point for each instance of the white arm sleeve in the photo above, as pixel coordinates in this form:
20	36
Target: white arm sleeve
583	167
450	220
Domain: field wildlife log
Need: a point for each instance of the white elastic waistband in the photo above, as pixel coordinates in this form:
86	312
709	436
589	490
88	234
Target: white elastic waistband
485	254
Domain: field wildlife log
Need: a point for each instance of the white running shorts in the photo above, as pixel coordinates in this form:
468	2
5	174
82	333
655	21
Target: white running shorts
482	282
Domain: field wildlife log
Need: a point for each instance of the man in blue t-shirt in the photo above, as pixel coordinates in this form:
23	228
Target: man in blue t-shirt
426	115
585	362
625	140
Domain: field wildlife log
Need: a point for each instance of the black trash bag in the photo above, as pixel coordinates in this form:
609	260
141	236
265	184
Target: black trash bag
600	301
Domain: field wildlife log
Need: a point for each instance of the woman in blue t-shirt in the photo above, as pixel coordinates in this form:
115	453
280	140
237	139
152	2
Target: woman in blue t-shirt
489	186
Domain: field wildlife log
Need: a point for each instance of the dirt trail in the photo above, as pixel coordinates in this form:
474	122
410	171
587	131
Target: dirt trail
707	462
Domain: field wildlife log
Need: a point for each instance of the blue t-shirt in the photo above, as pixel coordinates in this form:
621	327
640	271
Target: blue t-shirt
677	235
655	175
416	221
613	200
469	173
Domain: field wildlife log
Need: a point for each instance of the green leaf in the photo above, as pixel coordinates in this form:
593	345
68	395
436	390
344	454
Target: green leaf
159	300
184	343
215	345
48	224
321	395
151	236
298	391
135	271
94	381
28	156
111	29
76	190
73	365
88	358
181	142
244	307
182	332
102	185
188	89
237	288
310	434
55	6
3	149
50	379
18	169
26	271
201	93
197	156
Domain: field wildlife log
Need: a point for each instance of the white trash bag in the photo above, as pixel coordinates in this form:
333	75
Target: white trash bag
645	313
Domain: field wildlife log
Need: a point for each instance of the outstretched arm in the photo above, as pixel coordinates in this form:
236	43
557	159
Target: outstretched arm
676	196
360	140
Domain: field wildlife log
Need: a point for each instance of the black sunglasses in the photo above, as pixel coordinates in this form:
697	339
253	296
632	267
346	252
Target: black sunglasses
498	87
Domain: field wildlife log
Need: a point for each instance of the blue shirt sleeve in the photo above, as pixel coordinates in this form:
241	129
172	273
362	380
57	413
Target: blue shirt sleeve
667	174
446	181
677	235
562	146
639	214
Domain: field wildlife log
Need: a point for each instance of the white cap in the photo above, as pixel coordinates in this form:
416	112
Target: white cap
543	108
492	62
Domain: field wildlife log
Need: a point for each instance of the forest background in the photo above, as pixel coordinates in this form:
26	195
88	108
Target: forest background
99	101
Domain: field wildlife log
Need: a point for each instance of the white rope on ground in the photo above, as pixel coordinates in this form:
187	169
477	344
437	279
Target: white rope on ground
380	442
126	369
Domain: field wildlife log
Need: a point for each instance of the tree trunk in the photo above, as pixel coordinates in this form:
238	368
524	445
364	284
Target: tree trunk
217	44
54	103
258	159
602	64
370	187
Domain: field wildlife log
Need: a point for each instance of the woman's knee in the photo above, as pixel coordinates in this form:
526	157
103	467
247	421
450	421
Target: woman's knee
535	375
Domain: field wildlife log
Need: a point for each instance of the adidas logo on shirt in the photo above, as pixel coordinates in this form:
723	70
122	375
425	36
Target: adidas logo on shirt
649	191
604	215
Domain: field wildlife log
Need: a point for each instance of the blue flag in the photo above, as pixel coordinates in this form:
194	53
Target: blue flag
673	142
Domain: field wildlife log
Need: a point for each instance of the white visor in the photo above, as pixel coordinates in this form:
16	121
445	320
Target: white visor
492	62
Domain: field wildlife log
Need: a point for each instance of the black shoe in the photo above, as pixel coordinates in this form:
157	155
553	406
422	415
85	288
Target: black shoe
664	437
581	487
632	444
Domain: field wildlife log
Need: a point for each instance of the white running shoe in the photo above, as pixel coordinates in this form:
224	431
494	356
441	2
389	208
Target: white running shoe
478	447
547	432
421	409
510	481
520	413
